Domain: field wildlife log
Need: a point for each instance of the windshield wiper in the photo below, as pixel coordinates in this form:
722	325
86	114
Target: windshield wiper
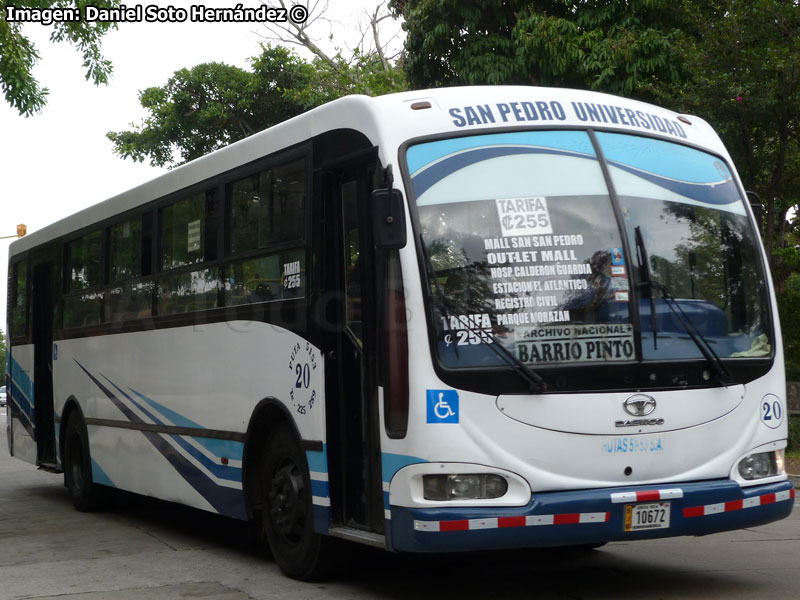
447	306
537	384
686	322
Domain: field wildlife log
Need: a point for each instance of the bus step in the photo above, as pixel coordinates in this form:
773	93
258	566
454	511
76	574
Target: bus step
356	535
49	467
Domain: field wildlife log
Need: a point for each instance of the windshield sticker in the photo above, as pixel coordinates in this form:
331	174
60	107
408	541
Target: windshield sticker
570	343
617	257
466	330
619	283
523	216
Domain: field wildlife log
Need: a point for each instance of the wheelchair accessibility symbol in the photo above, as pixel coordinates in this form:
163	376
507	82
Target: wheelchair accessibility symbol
442	406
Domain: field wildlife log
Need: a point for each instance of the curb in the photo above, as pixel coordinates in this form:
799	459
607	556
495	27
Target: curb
795	479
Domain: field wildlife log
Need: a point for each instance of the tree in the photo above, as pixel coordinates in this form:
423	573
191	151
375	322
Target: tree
618	47
365	68
745	81
213	104
18	55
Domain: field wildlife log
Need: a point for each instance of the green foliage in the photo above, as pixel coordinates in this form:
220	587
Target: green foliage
792	371
744	77
18	55
618	47
211	105
789	308
736	64
793	443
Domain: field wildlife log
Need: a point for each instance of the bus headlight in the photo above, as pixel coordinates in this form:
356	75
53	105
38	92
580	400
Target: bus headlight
472	486
761	465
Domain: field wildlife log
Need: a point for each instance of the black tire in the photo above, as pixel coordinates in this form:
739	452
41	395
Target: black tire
288	518
85	495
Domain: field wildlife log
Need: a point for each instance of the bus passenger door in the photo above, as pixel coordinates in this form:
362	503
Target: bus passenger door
351	352
44	420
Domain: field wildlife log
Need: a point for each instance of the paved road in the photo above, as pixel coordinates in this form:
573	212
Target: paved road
147	549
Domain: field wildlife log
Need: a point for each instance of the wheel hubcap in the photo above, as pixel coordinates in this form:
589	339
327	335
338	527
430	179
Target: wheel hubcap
286	501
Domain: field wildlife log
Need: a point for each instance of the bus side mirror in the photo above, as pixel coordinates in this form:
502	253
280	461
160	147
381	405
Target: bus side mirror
388	219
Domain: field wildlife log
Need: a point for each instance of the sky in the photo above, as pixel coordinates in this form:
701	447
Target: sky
58	162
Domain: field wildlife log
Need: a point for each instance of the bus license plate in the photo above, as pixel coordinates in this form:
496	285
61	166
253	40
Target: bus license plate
647	516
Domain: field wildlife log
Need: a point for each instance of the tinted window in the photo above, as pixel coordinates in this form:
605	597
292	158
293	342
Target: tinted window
125	241
522	244
84	261
700	245
188	291
129	301
183	232
274	277
18	299
267	207
83	309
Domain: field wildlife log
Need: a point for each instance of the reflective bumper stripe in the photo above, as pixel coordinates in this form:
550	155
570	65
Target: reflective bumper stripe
505	522
723	507
647	495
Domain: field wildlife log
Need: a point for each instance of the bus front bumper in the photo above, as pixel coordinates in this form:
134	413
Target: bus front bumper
589	517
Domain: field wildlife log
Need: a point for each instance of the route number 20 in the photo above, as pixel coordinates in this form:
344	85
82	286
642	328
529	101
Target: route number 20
771	411
303	373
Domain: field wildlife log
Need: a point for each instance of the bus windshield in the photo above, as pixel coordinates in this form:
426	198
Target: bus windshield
523	241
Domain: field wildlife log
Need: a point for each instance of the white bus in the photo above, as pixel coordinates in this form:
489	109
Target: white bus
469	318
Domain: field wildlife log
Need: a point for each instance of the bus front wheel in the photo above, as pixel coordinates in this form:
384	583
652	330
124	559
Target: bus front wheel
288	519
78	467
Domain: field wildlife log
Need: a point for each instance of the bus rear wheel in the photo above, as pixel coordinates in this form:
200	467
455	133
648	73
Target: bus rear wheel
83	491
288	519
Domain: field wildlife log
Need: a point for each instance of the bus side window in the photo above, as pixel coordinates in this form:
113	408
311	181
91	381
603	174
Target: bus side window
18	300
183	232
83	303
267	208
266	215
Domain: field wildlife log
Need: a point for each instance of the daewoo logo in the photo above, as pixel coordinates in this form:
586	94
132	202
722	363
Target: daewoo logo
639	405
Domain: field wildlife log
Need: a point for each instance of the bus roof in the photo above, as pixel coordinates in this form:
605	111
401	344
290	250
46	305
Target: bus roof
389	121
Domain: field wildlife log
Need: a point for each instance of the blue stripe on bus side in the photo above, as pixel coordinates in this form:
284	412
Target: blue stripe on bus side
226	501
317	461
100	476
322	518
320	489
22	390
226	472
228	448
392	463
